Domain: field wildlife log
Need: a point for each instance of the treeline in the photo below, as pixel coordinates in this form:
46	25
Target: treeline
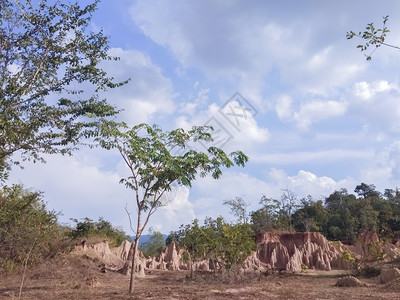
29	232
340	216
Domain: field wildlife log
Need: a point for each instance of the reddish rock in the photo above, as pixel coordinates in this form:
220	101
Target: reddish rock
288	251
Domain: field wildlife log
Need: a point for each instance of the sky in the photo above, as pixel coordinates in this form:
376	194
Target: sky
278	80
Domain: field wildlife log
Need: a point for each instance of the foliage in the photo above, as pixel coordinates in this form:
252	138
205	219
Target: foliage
226	245
267	217
194	240
156	167
310	216
238	208
88	228
373	37
174	236
154	246
49	77
25	224
348	259
340	216
304	267
235	244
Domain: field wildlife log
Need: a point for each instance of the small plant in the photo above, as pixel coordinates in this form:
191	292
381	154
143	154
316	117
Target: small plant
304	267
348	259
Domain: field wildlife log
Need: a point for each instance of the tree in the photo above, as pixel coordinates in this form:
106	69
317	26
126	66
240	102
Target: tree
267	217
226	245
238	208
231	244
373	37
194	239
288	205
366	190
154	168
102	228
311	216
27	228
49	77
343	222
154	246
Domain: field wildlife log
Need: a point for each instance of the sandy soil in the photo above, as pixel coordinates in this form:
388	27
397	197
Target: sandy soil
81	278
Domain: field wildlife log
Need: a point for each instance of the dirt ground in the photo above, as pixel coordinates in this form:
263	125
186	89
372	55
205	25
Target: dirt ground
80	277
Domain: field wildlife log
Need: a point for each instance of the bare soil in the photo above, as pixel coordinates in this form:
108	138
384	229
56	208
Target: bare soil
80	277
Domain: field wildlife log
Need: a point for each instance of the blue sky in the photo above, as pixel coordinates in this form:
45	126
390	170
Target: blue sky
315	115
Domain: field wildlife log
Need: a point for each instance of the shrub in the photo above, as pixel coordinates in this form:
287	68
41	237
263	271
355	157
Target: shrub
369	271
25	227
102	228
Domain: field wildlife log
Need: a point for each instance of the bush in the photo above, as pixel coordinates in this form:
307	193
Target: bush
27	229
102	228
369	271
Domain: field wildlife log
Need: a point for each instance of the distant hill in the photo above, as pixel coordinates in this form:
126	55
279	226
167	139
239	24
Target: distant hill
145	238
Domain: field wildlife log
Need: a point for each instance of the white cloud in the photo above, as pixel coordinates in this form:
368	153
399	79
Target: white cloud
148	93
365	90
179	211
317	111
315	156
235	127
309	112
306	183
377	104
284	107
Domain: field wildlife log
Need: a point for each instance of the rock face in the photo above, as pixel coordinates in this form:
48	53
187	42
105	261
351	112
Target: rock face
289	251
276	251
170	259
113	259
368	247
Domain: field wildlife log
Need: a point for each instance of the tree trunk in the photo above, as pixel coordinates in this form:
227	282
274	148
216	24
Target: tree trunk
132	280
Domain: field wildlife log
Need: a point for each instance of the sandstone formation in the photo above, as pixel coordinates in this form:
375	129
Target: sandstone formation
276	251
289	251
113	259
369	248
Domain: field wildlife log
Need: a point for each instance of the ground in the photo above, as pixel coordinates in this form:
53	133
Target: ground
81	277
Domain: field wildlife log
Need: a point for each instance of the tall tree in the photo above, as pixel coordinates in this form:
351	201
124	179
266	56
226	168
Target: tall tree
267	217
48	57
238	208
289	203
150	155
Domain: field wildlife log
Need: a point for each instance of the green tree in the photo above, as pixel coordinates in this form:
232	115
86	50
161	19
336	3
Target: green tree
195	240
226	245
343	209
366	191
231	244
238	208
267	217
289	204
27	228
49	78
311	216
373	36
155	167
154	246
87	228
174	236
